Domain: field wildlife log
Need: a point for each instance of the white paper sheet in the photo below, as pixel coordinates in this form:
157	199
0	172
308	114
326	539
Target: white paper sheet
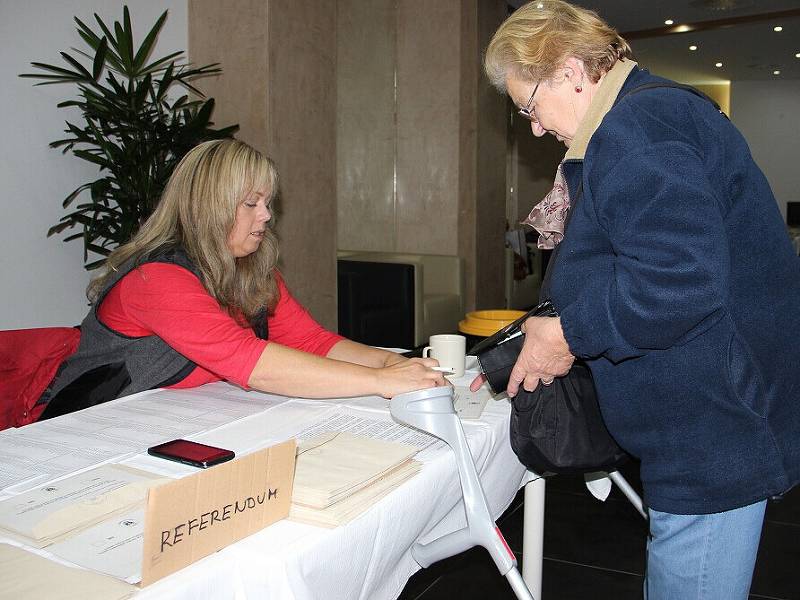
113	547
379	427
46	450
68	504
468	404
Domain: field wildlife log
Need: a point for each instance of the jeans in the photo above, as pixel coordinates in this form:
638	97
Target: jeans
703	557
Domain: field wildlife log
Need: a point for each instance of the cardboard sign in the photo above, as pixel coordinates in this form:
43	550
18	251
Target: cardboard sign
193	517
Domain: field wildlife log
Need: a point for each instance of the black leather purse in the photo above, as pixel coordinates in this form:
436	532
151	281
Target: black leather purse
556	428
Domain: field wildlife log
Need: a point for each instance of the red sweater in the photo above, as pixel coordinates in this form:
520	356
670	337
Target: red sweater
168	301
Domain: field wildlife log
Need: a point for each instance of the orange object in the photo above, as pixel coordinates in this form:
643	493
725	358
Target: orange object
483	323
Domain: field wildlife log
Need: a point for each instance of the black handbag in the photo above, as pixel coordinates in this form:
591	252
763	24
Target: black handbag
556	428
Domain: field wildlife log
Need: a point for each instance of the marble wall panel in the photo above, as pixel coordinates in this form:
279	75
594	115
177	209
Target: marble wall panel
279	84
490	167
366	127
301	126
428	59
234	34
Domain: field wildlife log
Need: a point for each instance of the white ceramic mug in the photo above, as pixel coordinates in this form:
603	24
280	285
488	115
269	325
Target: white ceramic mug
450	350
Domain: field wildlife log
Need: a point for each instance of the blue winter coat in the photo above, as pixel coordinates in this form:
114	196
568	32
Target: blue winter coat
677	281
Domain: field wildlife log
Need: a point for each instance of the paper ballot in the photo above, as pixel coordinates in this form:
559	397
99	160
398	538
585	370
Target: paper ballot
350	507
113	547
469	404
339	475
48	513
340	464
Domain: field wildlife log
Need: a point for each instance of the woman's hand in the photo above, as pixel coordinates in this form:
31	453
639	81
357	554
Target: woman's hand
392	358
545	355
408	375
477	383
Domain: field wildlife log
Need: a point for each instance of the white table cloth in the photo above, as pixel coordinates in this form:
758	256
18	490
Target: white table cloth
369	558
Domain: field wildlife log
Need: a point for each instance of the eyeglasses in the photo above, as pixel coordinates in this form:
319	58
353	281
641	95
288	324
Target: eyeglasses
528	112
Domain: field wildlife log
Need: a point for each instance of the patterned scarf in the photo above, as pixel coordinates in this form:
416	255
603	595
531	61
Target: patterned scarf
549	215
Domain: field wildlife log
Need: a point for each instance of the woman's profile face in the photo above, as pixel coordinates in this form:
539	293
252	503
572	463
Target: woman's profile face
252	215
554	106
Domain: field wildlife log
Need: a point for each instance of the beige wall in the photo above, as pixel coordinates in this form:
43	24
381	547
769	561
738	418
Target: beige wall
398	125
421	137
278	82
366	126
387	138
484	135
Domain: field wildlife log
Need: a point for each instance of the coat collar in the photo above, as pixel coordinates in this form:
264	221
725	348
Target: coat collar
603	100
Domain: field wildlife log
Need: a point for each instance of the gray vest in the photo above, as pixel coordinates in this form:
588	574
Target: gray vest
109	365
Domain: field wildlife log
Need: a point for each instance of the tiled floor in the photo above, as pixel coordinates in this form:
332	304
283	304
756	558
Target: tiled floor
596	550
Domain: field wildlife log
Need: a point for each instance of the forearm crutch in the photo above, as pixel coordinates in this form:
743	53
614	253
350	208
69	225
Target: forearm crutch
431	411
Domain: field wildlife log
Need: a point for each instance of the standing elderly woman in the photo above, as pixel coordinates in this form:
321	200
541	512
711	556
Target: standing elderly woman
674	279
195	297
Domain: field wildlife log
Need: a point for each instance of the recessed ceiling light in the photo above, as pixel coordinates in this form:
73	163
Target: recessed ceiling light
797	55
776	72
777	28
718	65
692	47
668	22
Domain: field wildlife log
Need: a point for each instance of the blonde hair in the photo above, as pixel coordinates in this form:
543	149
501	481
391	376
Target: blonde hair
538	38
197	211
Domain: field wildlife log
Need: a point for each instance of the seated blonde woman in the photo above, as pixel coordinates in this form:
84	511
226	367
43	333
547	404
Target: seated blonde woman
195	297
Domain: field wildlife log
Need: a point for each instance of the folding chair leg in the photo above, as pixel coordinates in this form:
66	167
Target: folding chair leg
630	494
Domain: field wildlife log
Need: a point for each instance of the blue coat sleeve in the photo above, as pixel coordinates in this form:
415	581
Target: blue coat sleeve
670	260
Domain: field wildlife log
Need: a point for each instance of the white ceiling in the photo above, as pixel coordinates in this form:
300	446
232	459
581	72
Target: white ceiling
749	51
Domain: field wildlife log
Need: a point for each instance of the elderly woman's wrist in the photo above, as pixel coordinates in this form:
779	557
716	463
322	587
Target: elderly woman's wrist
560	343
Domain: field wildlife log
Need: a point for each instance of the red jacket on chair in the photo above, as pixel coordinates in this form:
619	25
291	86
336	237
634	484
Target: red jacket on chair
29	359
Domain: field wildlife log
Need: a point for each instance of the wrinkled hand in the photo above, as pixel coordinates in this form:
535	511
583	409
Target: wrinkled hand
409	375
545	355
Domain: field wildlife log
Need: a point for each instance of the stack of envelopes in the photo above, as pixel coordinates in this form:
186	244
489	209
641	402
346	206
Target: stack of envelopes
340	475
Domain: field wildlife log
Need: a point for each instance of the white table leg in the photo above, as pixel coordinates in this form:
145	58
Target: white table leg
533	536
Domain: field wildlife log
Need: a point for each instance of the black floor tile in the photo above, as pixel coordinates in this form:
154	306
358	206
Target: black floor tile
423	579
471	575
596	549
787	510
475	577
566	581
777	572
580	529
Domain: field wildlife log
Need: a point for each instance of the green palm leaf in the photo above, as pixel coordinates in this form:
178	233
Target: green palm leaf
131	130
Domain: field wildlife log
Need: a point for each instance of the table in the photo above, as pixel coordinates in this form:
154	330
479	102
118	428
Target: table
368	558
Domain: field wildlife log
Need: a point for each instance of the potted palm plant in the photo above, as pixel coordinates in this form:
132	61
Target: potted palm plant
135	128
